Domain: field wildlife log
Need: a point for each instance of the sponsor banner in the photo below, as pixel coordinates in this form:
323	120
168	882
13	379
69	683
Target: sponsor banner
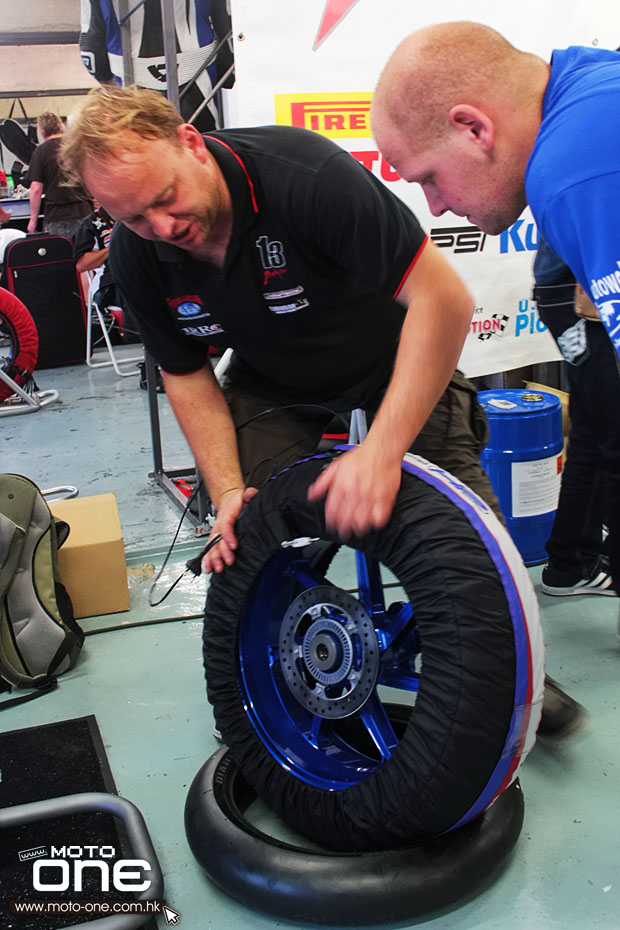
336	116
315	64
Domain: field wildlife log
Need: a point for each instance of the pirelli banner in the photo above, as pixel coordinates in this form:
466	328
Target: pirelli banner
314	63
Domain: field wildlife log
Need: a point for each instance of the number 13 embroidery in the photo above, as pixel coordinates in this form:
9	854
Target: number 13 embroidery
271	253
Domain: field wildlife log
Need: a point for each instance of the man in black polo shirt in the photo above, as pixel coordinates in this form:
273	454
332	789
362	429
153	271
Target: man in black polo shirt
278	243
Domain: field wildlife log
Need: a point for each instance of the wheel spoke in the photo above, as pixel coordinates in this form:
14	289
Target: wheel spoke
399	678
380	730
307	576
313	735
396	623
370	587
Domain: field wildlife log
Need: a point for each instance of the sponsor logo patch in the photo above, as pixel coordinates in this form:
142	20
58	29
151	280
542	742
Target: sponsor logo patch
211	330
283	295
189	309
300	304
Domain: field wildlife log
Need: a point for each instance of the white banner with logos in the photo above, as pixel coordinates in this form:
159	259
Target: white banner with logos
314	63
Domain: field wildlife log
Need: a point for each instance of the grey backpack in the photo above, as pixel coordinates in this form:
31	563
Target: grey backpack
39	637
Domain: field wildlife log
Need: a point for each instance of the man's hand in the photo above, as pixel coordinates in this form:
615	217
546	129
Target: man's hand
230	506
361	490
32	226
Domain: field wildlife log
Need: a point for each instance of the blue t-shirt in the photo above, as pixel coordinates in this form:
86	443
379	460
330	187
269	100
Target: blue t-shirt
572	179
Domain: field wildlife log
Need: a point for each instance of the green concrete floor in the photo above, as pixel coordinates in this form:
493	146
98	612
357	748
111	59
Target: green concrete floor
144	682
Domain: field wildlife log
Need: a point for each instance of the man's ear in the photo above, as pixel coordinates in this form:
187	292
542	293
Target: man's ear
190	139
478	126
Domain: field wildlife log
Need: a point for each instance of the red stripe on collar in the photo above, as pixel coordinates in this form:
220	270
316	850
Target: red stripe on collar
245	170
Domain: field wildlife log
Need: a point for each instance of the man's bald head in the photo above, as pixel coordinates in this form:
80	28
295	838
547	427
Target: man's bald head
440	66
457	110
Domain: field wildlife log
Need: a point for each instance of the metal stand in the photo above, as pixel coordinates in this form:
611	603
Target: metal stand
22	401
358	427
166	477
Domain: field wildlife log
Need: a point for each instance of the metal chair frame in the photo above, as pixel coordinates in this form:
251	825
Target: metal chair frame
93	311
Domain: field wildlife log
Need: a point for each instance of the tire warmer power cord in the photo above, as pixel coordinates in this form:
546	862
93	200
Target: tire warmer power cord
194	565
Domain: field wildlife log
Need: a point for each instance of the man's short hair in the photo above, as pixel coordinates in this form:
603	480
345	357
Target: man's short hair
112	118
49	124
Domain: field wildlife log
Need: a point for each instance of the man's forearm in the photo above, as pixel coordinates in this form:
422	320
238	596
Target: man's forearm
90	260
430	345
201	409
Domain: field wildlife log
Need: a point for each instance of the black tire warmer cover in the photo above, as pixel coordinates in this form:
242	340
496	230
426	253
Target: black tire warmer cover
24	341
462	714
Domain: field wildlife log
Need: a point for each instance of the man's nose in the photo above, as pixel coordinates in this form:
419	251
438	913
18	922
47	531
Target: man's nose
435	203
160	222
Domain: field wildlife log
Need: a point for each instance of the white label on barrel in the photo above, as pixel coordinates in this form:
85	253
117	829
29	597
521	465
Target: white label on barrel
536	486
501	403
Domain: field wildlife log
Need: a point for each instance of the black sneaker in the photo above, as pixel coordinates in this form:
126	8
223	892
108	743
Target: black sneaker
561	714
561	584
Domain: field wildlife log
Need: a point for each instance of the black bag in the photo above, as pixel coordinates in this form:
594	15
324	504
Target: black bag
39	637
42	274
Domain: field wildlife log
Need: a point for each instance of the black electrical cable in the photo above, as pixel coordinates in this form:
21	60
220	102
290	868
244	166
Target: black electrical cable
132	626
194	565
168	554
185	617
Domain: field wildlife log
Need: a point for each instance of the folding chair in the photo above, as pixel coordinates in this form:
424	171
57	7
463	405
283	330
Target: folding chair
94	313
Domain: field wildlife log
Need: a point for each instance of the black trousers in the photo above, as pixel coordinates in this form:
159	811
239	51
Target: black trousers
590	490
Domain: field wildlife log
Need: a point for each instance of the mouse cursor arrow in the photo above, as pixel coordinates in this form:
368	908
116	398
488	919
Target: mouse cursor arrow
172	918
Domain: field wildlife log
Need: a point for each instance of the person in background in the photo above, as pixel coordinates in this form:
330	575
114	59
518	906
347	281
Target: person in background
65	206
577	560
91	244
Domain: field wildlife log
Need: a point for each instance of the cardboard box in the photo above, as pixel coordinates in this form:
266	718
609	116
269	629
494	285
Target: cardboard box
92	560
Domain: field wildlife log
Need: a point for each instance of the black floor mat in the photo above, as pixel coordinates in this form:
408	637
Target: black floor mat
51	761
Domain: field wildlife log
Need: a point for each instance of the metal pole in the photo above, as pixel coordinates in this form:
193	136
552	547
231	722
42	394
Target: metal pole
170	50
123	20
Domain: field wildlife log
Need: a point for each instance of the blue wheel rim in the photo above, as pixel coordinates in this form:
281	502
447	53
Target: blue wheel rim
347	735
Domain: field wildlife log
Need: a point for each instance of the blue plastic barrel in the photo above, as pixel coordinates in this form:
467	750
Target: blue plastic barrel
524	463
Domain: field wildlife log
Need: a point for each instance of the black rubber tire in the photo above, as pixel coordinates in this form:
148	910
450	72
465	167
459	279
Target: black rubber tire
457	731
306	886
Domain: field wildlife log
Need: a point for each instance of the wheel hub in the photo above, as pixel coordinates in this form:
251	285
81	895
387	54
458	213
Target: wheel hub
329	652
